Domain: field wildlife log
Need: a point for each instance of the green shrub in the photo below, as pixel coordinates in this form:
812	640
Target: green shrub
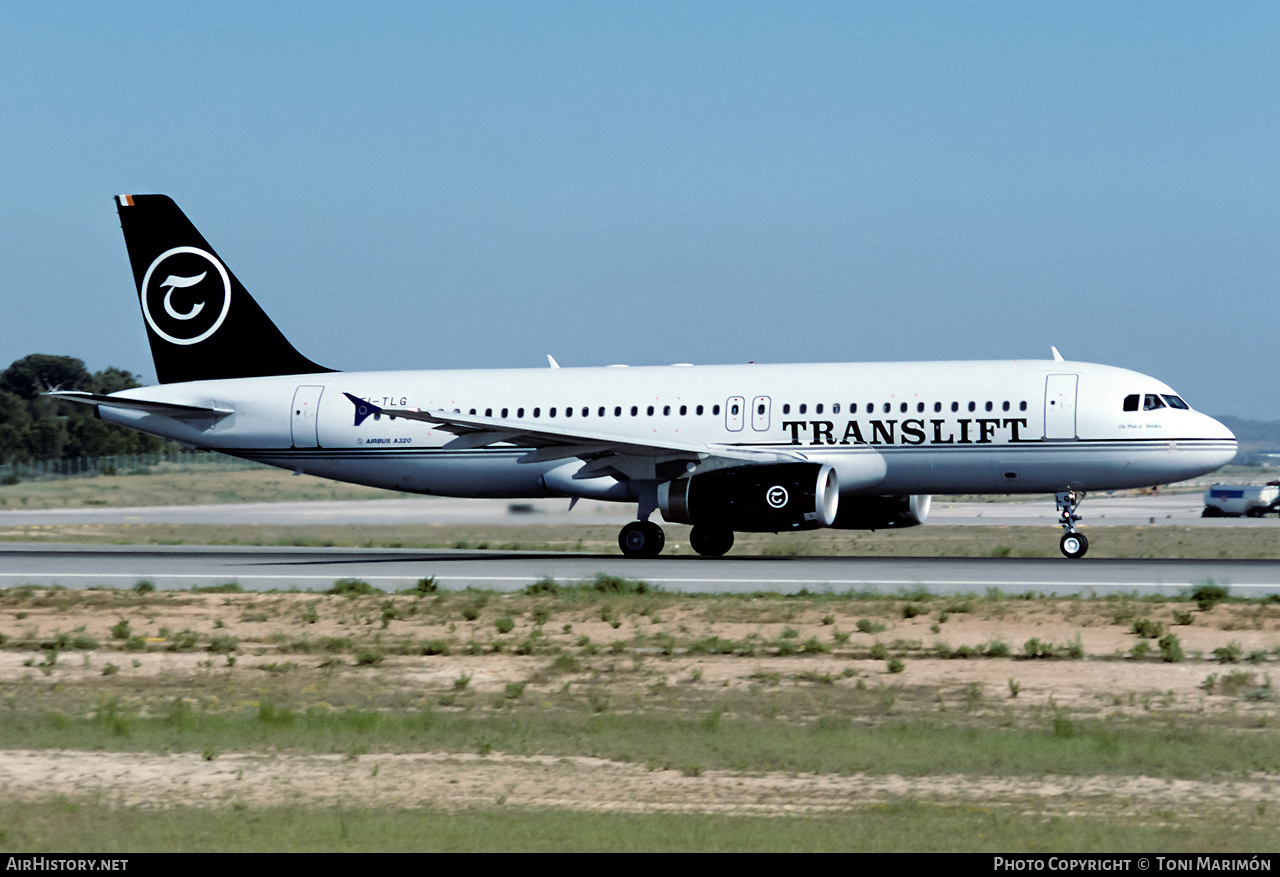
352	588
1170	649
542	586
866	626
1148	629
607	584
1228	654
505	624
1207	595
1034	648
120	630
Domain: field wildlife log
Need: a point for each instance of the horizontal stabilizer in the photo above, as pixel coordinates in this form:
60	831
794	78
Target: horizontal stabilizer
168	409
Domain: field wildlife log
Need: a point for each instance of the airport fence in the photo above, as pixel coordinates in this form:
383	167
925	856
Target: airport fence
122	464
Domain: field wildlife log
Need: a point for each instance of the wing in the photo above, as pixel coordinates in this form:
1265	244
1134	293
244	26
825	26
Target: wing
605	453
168	409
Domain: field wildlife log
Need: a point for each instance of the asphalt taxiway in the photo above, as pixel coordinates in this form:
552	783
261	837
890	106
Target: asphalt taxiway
315	569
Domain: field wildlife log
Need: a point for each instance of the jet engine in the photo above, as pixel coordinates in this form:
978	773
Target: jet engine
754	499
882	512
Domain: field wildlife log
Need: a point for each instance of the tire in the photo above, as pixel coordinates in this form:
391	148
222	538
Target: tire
1073	545
641	539
710	541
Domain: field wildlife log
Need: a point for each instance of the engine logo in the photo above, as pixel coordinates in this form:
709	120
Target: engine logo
777	496
183	300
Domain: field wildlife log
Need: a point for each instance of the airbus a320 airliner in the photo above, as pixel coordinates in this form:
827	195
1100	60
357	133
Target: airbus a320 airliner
749	448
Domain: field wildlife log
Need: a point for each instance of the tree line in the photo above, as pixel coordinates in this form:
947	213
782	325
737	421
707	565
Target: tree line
34	426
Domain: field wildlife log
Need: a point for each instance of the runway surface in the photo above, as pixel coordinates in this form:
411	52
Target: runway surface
84	566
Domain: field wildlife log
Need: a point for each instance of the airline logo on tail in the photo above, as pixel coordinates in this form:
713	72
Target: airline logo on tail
186	294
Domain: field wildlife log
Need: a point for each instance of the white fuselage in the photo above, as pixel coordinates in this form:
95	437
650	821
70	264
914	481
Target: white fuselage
886	428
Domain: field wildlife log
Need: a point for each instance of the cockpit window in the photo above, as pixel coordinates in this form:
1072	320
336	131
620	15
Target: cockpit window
1131	402
1151	402
1176	402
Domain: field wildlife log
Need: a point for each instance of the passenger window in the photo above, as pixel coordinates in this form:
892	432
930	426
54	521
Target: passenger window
634	410
853	407
887	407
473	411
715	409
817	409
1022	406
902	409
537	412
504	412
519	412
1131	402
698	410
586	411
937	407
803	408
786	409
835	408
684	409
666	410
650	410
488	412
1151	402
1005	407
988	406
734	410
955	406
919	408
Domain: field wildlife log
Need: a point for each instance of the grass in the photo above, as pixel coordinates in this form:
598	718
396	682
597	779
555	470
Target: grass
617	671
741	737
884	826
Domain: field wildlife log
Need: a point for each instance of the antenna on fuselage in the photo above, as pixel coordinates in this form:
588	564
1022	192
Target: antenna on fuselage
1057	357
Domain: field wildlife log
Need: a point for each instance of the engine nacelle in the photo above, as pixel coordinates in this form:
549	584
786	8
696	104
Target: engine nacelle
754	499
882	512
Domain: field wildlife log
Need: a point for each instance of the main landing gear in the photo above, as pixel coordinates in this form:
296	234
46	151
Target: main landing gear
645	539
641	539
1073	544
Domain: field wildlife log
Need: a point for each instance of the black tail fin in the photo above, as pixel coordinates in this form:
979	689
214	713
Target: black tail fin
201	321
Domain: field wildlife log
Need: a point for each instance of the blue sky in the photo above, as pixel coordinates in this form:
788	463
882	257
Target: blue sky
443	185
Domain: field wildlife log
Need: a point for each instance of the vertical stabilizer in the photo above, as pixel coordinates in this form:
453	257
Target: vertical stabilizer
201	321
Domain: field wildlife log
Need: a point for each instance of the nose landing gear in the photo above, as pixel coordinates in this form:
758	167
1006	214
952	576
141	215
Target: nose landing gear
1073	544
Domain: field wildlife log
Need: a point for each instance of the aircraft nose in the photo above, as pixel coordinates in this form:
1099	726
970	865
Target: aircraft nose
1224	439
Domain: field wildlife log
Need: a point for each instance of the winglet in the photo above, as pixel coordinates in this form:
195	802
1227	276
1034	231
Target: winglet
551	360
1057	357
363	408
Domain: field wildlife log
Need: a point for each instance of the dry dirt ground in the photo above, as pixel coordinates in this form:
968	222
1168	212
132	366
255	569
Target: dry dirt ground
236	650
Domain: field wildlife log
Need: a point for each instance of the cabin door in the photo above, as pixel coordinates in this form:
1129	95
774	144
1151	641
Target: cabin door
306	404
1060	406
